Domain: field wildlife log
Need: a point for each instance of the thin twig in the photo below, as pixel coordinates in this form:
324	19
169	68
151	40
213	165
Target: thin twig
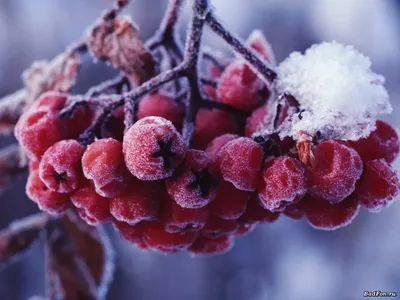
239	46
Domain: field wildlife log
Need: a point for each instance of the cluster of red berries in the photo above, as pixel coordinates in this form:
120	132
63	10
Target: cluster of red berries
165	197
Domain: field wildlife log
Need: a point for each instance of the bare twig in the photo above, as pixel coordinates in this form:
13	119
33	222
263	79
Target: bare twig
239	46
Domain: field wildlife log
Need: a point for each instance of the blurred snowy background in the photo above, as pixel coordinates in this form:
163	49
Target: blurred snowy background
284	260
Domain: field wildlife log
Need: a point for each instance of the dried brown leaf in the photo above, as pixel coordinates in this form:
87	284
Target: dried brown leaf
118	42
19	236
80	260
95	249
67	274
56	75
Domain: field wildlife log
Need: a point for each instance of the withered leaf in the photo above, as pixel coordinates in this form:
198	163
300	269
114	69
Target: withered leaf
94	247
67	274
56	75
19	236
80	260
118	42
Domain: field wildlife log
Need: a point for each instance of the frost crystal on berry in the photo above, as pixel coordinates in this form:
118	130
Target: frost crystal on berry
337	92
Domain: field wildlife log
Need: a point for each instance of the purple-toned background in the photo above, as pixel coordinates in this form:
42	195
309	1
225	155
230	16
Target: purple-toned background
284	260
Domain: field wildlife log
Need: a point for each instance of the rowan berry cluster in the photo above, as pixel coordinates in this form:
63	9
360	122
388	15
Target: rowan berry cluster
167	193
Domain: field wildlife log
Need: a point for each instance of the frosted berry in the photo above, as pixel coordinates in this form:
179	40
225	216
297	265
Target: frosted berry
140	202
204	245
210	124
239	162
130	233
378	186
216	144
283	182
194	183
336	168
217	227
153	148
240	87
60	167
156	238
47	200
256	214
258	118
383	143
36	131
178	219
92	208
103	163
161	105
229	203
54	102
324	215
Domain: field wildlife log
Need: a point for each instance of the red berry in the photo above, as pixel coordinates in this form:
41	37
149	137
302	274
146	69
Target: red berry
258	118
194	183
130	233
60	167
158	239
229	203
240	87
383	143
204	245
47	200
336	168
92	208
161	106
210	124
153	148
140	202
216	144
103	163
36	131
258	42
244	229
217	227
283	182
378	186
256	214
178	219
324	215
54	102
240	162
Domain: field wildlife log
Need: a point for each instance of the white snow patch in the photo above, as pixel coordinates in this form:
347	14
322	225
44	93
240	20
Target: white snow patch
339	95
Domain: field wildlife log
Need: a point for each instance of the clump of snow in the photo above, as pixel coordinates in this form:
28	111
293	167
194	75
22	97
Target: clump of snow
339	95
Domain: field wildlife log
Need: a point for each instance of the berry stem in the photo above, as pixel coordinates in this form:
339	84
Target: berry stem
116	84
167	36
